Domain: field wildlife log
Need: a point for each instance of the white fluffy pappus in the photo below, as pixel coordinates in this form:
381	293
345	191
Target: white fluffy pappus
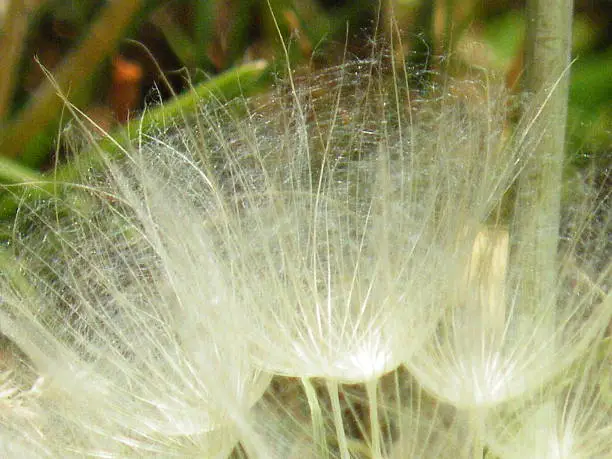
120	321
573	419
325	236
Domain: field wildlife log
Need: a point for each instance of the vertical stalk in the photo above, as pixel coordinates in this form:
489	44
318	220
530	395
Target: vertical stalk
332	387
475	424
375	430
318	424
537	212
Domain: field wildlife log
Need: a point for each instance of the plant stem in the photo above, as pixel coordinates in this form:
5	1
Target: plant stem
318	425
537	212
75	70
476	422
12	41
375	428
13	172
332	387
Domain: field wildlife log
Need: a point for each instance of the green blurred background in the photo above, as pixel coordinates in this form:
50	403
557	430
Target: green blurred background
113	58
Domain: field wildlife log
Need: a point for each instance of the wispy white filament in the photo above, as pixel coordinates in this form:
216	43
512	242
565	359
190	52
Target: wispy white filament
327	237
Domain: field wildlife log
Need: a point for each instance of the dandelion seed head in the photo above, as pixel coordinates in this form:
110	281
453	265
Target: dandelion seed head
333	234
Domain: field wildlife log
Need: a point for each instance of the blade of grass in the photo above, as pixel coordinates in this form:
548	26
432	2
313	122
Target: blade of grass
12	41
225	86
187	50
13	172
44	105
203	30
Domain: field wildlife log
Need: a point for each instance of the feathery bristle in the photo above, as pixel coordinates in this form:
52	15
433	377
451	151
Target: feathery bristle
347	239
